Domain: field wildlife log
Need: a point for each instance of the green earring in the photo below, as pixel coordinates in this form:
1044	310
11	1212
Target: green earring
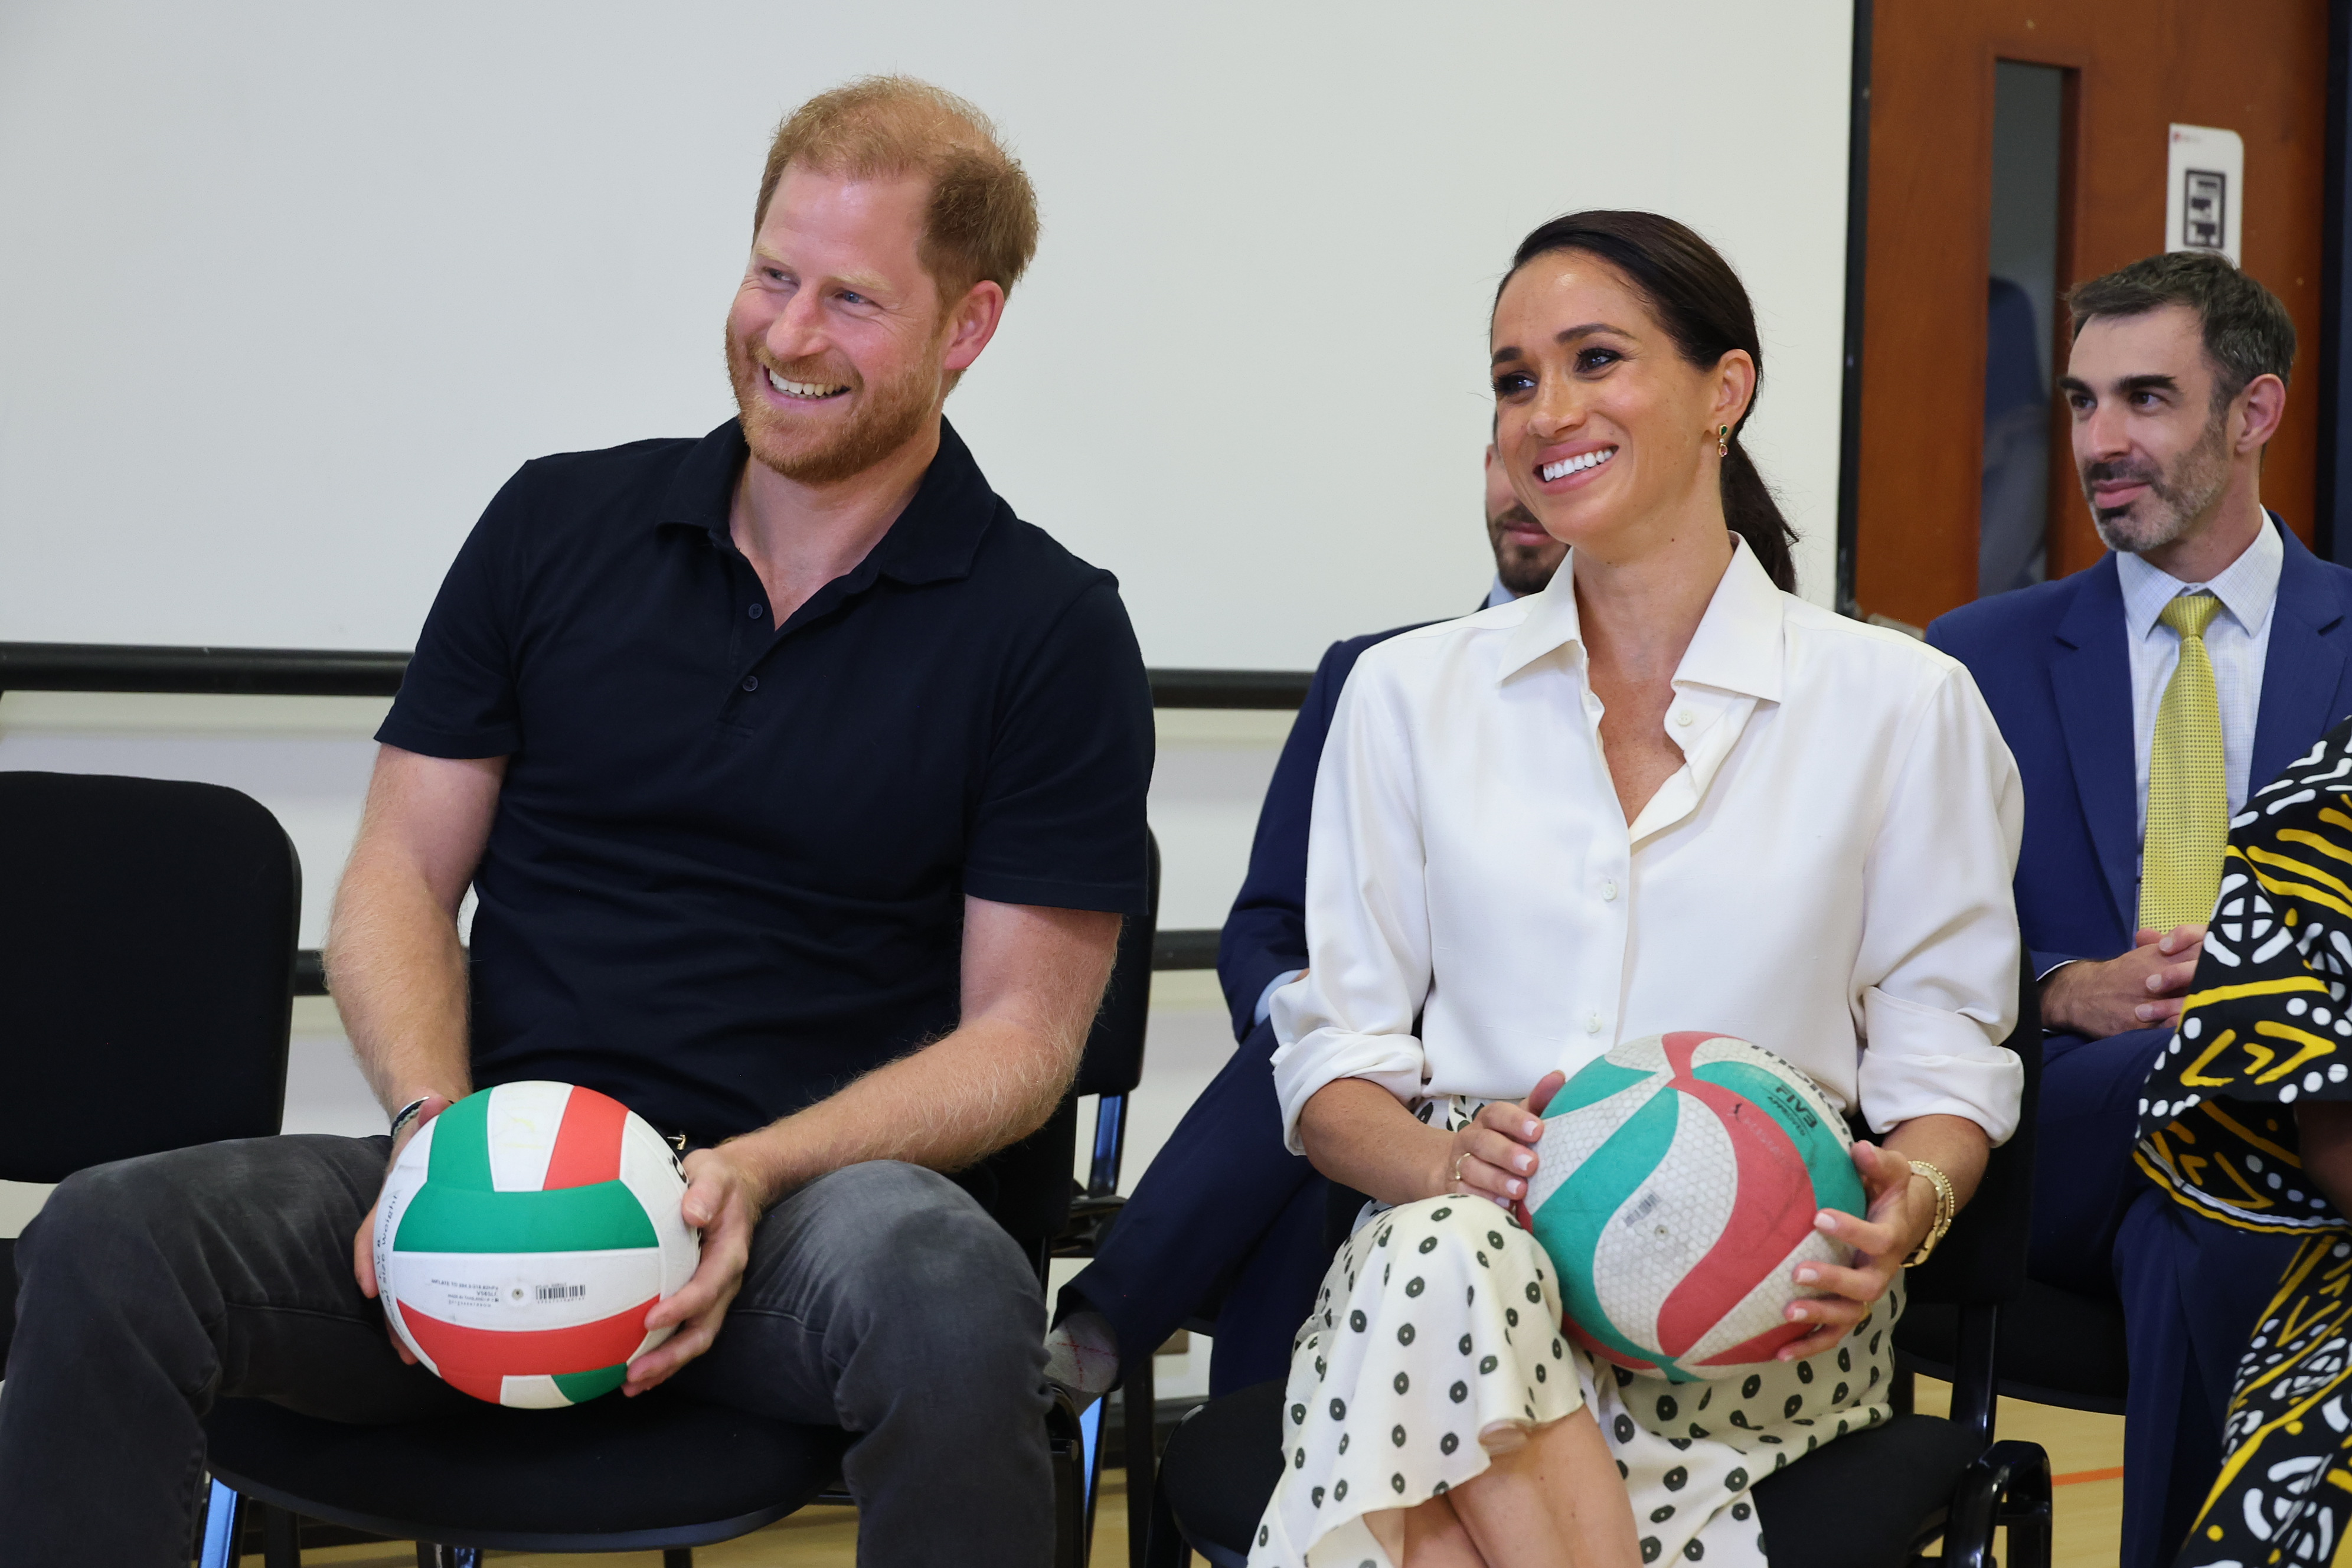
1723	440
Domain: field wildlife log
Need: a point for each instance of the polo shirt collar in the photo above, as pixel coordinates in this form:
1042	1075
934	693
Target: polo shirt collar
933	541
1736	649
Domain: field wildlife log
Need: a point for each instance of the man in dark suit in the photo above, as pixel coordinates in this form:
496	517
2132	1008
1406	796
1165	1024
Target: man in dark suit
1227	1220
2144	698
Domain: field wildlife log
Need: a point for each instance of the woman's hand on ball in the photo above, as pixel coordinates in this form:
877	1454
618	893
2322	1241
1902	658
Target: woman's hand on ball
722	1201
1494	1155
1892	1228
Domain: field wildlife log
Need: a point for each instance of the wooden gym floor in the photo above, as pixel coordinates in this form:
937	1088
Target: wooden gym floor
2085	1454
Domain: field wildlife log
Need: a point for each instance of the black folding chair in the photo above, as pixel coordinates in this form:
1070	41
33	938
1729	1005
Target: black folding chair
1110	1070
147	931
1874	1499
660	1475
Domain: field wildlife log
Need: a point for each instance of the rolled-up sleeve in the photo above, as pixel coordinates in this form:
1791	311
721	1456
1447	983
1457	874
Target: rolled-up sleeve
1935	981
1367	951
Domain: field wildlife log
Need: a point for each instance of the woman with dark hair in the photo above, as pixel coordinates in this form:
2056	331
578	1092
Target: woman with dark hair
1665	793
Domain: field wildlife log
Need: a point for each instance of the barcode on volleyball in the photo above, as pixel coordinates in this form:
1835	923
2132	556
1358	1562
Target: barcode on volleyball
561	1293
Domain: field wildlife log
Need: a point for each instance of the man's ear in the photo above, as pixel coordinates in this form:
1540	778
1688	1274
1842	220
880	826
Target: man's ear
972	323
2264	402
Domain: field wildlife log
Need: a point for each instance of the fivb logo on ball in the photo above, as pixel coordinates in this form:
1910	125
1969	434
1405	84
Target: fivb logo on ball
522	1237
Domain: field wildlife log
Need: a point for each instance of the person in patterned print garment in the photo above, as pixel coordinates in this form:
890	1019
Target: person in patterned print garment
2246	1120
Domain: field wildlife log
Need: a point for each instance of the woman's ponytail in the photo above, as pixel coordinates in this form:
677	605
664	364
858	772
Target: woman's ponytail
1752	513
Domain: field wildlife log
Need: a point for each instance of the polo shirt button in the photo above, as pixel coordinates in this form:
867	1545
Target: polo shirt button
751	683
1608	890
1593	1022
756	611
1682	716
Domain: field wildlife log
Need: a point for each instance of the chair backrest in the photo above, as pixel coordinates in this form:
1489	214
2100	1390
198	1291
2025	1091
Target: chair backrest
1113	1063
147	931
1981	1260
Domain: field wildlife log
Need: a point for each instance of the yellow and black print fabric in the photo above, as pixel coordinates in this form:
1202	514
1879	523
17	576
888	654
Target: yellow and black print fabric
2264	1027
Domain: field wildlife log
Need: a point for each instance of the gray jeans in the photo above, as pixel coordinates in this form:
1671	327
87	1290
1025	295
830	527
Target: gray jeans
880	1299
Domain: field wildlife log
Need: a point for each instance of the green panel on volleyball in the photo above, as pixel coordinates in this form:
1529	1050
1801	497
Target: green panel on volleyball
583	1386
461	1148
597	1218
1593	1082
1836	1184
1569	1225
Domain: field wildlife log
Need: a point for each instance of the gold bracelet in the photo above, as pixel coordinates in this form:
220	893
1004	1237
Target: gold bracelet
1946	1206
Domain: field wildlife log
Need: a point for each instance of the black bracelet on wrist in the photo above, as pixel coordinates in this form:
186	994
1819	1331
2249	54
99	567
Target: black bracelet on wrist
407	1113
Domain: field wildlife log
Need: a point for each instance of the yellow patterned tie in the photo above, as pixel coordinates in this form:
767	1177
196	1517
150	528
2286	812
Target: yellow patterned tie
2188	783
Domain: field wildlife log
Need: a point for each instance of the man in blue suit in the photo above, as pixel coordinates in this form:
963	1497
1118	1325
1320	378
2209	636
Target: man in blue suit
1227	1220
2177	382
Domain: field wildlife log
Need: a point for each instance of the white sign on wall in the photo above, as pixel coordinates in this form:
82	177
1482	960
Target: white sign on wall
2205	191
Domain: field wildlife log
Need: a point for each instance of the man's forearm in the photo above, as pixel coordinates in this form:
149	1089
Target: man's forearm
950	1105
398	973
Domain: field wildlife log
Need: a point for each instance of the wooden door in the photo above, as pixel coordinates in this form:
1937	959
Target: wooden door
2135	66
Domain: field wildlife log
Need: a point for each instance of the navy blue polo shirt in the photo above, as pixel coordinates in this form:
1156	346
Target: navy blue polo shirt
728	866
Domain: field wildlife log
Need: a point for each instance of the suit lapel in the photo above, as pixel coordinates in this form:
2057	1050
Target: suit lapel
2092	680
2302	668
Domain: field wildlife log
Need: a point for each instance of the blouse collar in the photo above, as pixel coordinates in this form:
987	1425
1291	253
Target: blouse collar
1736	649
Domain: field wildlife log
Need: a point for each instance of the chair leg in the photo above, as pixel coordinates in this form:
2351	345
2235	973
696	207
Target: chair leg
1164	1546
1139	1410
2009	1485
1069	1506
1091	1422
2026	1513
282	1537
224	1516
678	1557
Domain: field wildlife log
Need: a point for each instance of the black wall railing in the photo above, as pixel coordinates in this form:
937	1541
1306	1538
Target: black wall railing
325	672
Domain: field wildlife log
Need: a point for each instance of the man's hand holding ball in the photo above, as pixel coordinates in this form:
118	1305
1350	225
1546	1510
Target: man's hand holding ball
363	1243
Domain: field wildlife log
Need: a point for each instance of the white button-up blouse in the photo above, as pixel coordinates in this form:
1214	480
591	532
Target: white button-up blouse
1828	874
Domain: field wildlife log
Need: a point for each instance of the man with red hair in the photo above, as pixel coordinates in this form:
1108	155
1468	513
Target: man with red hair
801	786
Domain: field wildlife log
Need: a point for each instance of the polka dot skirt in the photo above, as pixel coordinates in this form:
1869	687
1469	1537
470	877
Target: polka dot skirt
1440	1317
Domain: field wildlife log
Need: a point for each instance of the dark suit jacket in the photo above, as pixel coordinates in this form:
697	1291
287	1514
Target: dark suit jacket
2054	665
1267	932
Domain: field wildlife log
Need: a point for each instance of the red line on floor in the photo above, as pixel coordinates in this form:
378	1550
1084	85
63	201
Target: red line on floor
2068	1480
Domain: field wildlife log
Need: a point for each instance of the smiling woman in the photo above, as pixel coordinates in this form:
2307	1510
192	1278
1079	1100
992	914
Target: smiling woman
1552	826
1704	315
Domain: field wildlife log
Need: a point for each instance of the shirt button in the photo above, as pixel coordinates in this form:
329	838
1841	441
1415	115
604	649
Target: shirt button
1608	890
1593	1022
751	683
1682	716
758	610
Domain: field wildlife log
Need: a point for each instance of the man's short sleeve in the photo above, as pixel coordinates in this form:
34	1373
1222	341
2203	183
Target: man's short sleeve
1060	819
457	698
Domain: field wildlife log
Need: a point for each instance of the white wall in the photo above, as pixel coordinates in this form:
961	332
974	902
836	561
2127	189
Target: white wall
287	288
